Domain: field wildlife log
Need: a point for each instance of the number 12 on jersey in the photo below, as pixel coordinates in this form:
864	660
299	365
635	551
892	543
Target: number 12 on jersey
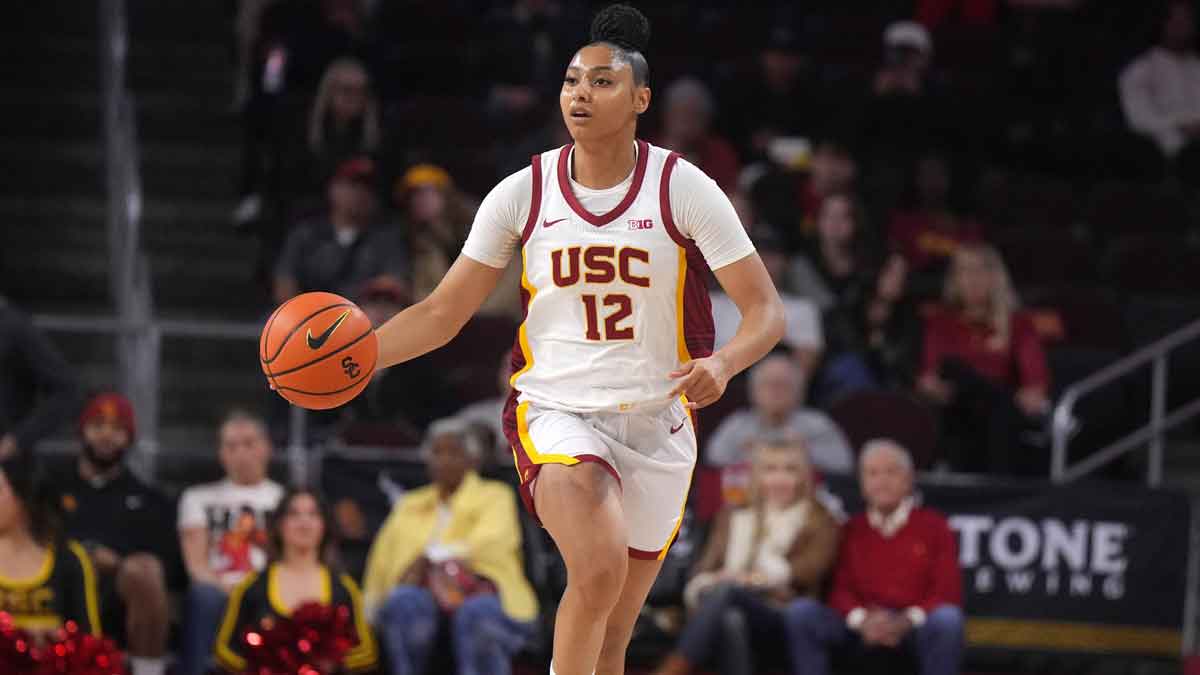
612	329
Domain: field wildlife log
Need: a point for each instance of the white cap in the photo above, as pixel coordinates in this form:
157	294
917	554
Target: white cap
908	34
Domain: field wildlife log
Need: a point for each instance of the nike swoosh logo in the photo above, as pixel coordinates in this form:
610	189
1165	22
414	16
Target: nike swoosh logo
674	429
548	223
319	341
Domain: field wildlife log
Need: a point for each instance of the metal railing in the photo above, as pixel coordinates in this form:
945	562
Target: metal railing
1064	423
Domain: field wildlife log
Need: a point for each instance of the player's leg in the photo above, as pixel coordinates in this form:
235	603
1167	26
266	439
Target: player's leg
638	580
580	506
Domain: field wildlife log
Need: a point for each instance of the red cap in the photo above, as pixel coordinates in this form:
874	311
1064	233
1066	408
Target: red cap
357	168
109	406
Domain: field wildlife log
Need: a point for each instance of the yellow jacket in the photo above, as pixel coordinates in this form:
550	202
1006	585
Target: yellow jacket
483	522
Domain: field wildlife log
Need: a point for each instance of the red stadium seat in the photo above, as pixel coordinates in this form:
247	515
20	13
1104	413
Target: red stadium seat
884	414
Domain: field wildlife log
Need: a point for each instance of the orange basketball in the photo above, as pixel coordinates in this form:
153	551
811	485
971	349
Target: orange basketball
318	350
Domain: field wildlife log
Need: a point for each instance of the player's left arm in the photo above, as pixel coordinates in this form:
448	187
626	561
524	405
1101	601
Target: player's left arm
703	213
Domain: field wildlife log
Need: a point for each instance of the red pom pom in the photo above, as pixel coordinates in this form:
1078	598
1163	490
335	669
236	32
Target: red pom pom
312	641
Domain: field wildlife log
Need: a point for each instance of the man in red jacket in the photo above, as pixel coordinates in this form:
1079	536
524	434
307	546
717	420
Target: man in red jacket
896	583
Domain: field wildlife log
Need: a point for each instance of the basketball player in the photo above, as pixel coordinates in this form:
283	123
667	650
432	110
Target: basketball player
615	353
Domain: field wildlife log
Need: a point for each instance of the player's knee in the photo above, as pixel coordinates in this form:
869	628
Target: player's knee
598	579
141	573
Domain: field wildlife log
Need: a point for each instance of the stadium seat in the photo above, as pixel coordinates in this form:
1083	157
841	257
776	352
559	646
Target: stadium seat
1153	263
1044	256
884	414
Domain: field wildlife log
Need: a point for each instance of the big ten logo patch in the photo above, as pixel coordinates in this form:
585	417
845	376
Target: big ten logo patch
641	224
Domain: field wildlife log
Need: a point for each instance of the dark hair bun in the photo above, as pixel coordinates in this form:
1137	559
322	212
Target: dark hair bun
622	26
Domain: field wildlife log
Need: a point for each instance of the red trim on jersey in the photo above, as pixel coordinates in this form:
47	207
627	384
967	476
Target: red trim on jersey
564	186
535	200
698	330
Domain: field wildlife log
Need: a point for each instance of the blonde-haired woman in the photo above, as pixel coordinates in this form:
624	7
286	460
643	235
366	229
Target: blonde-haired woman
758	558
984	364
344	119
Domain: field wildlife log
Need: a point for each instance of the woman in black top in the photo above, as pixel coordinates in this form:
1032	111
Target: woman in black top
301	572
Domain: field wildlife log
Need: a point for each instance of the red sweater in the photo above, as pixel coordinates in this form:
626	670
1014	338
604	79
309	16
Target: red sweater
916	567
1021	363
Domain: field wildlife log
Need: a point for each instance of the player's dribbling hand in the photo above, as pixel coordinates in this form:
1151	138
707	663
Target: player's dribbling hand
701	380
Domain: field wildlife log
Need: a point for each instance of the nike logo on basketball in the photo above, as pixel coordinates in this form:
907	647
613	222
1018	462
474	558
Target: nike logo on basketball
548	223
319	341
675	429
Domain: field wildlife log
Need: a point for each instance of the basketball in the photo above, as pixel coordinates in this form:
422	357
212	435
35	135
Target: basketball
318	350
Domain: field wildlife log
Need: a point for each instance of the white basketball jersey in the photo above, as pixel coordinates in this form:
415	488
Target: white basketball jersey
613	302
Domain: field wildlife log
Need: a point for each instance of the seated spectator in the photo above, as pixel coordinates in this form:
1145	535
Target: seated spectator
436	218
486	416
303	570
777	397
756	560
222	531
38	391
391	411
686	129
451	549
343	122
876	342
781	91
837	269
126	527
341	251
1160	91
896	584
983	363
927	231
45	578
802	335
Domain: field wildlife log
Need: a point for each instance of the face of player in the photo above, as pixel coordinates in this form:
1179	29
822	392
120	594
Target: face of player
12	511
784	476
599	99
105	442
448	462
835	221
245	451
973	279
885	480
302	527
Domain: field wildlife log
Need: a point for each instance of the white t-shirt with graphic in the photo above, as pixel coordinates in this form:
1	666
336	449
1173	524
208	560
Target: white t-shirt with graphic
236	519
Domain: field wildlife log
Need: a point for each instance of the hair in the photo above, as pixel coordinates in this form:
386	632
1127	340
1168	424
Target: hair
1003	301
460	429
687	88
244	415
879	445
327	549
321	103
756	373
41	508
626	31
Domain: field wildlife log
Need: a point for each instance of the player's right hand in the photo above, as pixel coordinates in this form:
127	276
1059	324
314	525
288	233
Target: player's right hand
702	381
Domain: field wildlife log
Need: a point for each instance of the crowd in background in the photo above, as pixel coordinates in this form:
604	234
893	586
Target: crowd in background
867	172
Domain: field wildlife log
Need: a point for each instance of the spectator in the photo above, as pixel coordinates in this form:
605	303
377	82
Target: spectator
344	120
896	584
983	363
777	396
875	342
837	270
803	331
45	579
904	112
391	411
791	201
38	390
222	532
342	251
486	416
928	230
757	559
436	220
687	118
451	549
303	570
125	525
782	98
1160	91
